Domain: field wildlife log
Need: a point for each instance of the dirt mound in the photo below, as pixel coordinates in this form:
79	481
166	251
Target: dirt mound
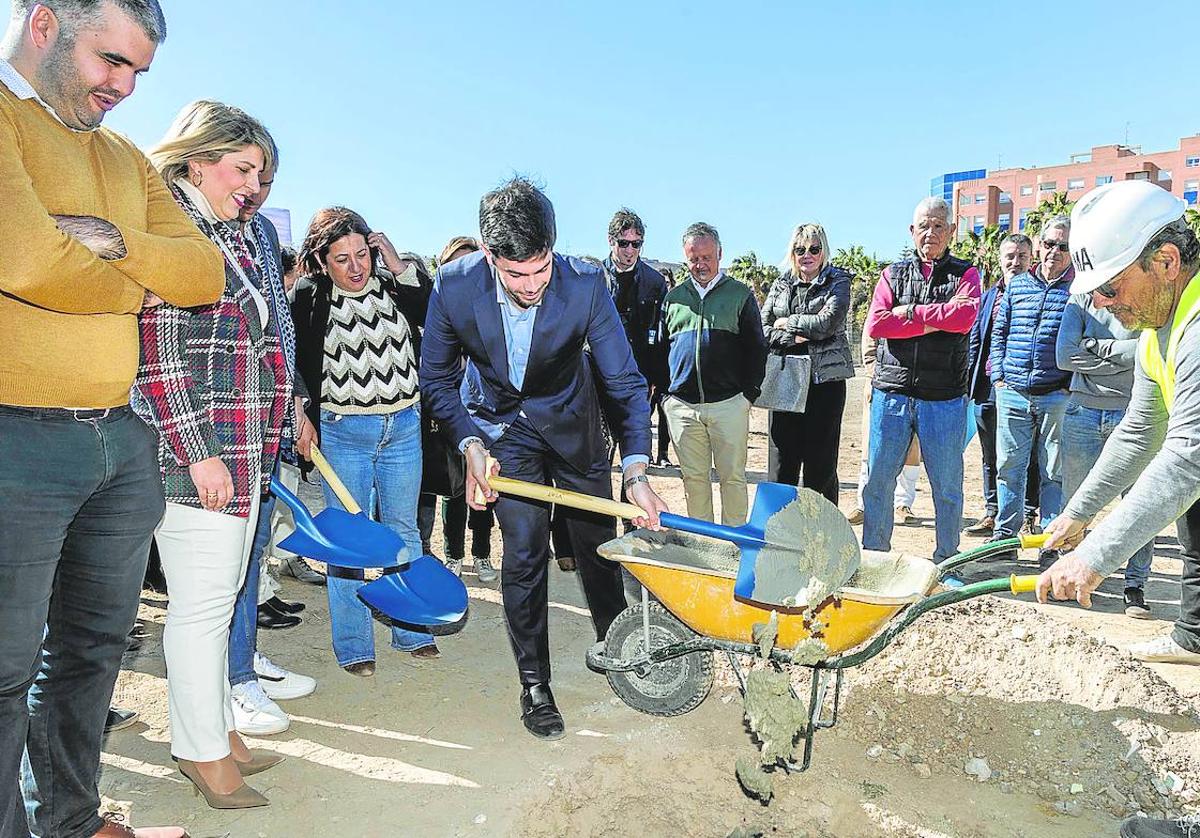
1010	696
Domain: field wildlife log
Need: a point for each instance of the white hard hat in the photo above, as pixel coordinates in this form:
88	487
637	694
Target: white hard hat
1111	226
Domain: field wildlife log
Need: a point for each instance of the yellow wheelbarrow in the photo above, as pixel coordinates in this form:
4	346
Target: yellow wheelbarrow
658	654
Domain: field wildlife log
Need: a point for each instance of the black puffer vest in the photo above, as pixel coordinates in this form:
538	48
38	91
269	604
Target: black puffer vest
932	367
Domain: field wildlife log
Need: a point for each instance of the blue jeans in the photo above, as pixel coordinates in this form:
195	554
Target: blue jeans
243	631
1024	420
79	501
1084	432
940	427
375	456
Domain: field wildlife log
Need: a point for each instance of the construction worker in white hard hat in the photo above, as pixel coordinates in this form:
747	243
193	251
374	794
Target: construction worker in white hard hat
1135	254
1137	257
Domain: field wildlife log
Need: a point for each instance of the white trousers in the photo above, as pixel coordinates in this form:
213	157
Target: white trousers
204	556
906	485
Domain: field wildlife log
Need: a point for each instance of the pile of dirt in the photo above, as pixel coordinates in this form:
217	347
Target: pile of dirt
1004	693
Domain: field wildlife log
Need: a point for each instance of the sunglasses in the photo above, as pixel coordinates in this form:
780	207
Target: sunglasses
1062	247
636	244
812	250
1107	289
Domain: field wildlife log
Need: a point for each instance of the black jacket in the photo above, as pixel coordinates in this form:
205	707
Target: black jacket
643	320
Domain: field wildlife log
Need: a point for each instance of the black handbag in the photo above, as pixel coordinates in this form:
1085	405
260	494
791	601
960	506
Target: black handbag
443	470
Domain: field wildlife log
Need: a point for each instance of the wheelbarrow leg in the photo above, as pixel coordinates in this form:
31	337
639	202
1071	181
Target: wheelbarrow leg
646	620
736	665
816	703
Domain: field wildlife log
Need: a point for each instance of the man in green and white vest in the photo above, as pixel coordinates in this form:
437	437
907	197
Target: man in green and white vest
1135	254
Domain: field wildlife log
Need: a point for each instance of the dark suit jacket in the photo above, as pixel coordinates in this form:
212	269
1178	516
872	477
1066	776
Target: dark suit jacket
979	386
559	397
644	320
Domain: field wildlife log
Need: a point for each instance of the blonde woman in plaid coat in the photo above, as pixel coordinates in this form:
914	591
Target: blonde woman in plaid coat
214	385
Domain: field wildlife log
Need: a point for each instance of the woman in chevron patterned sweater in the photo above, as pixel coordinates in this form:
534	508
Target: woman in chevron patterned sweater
357	345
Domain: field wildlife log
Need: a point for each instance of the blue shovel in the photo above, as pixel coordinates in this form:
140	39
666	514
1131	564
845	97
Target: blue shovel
346	538
423	593
790	557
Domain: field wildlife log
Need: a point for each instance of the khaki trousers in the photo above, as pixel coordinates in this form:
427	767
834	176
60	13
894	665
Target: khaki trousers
712	435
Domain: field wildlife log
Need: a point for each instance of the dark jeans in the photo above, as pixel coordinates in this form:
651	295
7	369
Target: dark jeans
525	526
243	630
457	518
79	501
985	424
810	440
1187	628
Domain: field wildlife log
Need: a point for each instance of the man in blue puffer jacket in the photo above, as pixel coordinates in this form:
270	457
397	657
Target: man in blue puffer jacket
1031	390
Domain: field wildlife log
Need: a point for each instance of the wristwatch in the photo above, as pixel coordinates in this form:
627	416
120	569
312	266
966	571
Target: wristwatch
630	482
466	443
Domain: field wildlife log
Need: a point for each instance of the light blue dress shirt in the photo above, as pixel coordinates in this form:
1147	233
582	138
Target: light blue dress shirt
518	338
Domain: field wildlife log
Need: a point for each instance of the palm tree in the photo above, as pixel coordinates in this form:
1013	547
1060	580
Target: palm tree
983	250
864	270
1056	204
1193	219
749	270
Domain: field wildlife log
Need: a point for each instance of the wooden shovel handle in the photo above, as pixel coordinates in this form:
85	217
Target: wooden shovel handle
335	483
562	497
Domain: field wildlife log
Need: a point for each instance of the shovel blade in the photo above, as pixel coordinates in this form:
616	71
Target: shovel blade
338	538
425	593
808	537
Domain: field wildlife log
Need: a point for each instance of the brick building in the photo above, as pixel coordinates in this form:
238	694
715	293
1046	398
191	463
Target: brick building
1004	197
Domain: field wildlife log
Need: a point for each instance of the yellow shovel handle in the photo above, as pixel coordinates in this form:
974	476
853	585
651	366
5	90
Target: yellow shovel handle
1028	541
562	497
1022	584
335	483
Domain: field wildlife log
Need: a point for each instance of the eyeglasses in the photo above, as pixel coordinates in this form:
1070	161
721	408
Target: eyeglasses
811	250
636	244
1061	247
1108	289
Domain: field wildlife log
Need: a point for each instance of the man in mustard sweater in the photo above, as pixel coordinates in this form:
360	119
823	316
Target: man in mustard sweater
89	235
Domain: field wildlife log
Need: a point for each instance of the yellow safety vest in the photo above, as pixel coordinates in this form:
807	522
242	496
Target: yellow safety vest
1160	370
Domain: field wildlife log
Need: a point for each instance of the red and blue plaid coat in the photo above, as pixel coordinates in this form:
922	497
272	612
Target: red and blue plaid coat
212	382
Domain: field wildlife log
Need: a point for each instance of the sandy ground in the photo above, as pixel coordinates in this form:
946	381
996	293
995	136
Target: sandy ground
1073	731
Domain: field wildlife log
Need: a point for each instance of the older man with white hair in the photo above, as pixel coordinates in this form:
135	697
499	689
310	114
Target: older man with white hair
921	314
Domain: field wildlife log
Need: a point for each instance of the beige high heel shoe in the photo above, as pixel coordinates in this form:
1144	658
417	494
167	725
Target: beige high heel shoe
243	797
259	761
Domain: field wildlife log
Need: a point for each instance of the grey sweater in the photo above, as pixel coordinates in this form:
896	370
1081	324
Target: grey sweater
1158	455
1100	354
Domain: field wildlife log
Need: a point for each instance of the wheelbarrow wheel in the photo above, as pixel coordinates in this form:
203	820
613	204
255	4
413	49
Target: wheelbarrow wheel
670	688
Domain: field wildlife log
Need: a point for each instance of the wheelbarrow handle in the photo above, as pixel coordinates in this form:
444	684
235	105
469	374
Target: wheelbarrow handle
335	483
1022	584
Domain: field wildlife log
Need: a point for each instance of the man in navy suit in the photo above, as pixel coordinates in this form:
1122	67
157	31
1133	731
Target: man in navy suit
545	351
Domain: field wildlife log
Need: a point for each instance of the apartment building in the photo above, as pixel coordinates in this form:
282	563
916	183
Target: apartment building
1006	196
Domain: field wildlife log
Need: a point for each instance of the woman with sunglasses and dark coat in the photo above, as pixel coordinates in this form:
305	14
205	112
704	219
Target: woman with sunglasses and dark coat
805	314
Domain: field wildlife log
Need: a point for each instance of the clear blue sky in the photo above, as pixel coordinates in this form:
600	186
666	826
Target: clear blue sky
752	116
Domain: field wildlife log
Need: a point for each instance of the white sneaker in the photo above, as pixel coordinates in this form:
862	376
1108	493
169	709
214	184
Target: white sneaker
280	684
256	715
454	566
484	569
1163	650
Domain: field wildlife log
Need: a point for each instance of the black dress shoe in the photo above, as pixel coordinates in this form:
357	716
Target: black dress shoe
539	713
119	718
269	618
285	607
